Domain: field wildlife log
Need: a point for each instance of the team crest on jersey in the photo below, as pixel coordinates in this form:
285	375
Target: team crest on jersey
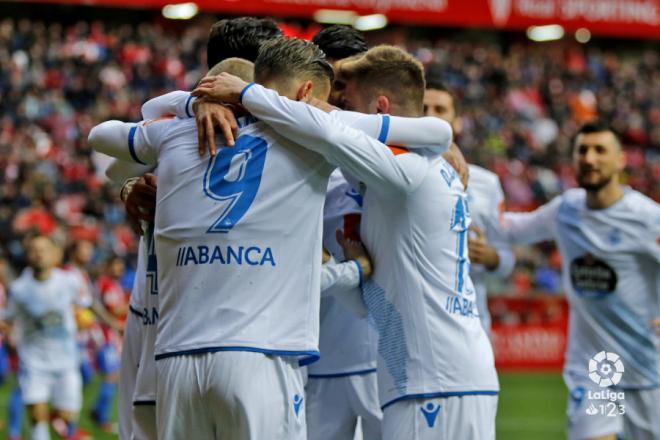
430	411
615	236
592	277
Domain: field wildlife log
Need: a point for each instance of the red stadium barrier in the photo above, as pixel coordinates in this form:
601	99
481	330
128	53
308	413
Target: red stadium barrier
632	18
529	333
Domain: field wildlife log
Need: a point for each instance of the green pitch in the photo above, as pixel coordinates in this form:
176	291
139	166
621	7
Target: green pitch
531	405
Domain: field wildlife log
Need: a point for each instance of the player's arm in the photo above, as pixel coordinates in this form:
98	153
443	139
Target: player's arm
120	171
496	237
337	276
130	142
343	146
8	315
532	227
178	103
432	134
184	105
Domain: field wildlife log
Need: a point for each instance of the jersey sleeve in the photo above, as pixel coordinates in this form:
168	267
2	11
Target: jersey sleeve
497	236
178	103
120	170
652	245
352	150
432	134
81	291
532	227
130	142
339	276
340	281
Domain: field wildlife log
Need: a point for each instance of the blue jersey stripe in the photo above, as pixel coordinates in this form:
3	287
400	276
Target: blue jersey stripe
245	89
336	375
131	144
194	351
187	104
384	129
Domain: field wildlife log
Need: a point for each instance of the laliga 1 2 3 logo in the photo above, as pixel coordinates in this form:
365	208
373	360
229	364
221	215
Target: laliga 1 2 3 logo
606	369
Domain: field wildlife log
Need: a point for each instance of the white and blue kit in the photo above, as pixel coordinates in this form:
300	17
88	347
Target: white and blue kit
432	348
47	348
610	271
486	200
137	375
342	385
234	259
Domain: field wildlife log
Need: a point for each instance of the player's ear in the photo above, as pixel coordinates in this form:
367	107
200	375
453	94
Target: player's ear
383	104
622	161
305	91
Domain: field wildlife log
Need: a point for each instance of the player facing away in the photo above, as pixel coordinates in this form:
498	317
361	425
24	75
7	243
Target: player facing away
435	364
608	237
488	248
228	38
342	385
238	306
41	304
264	336
137	396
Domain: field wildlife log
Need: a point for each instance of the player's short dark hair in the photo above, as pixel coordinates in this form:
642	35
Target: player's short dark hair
291	57
239	37
434	81
598	126
339	42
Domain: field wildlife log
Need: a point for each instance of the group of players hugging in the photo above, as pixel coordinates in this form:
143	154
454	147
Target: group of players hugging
313	254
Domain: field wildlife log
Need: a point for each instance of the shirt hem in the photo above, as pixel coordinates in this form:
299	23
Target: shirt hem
441	394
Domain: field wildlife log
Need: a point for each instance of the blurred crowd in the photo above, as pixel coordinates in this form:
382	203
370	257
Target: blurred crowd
520	106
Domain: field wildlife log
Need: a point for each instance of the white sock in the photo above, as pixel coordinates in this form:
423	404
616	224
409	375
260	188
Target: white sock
39	431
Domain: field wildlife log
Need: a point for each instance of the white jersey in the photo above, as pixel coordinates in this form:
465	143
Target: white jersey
233	225
44	314
228	234
610	270
415	225
86	287
347	342
486	200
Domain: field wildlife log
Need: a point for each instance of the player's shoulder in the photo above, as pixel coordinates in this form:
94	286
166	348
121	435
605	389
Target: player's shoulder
641	206
64	276
21	284
574	197
482	175
639	202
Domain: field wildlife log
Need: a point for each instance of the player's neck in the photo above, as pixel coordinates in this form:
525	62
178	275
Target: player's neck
41	275
606	196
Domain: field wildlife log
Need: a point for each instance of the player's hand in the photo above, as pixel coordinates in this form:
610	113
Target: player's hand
480	251
354	250
458	162
209	115
224	88
325	257
140	202
656	325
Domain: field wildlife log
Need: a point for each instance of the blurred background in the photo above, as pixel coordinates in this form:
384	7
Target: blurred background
526	74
